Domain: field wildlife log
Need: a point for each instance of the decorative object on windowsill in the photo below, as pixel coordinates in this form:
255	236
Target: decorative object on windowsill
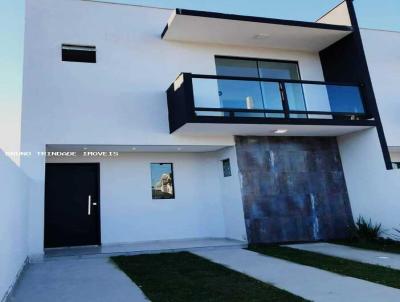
249	102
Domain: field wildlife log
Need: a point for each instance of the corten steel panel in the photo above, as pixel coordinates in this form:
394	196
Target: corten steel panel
293	189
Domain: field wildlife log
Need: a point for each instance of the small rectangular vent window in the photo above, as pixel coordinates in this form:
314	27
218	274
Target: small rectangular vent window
226	167
78	53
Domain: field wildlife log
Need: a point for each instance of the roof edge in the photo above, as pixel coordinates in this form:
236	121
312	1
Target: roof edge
206	14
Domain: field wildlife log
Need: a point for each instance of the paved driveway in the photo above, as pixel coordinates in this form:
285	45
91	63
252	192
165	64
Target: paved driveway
307	282
76	280
342	251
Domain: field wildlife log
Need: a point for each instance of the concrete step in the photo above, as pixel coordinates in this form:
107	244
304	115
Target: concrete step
148	247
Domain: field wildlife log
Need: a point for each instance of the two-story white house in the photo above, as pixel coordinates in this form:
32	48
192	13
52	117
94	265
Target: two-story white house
251	119
148	124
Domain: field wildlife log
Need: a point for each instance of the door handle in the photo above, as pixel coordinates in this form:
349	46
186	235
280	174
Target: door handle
90	204
89	211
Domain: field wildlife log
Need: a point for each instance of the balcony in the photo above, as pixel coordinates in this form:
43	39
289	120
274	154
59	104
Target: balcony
209	104
248	31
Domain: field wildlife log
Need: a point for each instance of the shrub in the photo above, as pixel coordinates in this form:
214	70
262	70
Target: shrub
365	230
396	235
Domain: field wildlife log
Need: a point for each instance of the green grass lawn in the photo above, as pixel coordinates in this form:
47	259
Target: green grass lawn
369	272
184	277
388	246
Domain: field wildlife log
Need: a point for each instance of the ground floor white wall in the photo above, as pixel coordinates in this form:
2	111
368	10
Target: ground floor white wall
13	222
231	196
395	156
373	190
205	204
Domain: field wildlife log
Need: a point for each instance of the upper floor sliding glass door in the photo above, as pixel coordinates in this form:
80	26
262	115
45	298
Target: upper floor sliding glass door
258	94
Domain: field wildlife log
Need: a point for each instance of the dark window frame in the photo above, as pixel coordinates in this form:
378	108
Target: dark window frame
78	53
172	179
395	165
224	170
257	60
260	59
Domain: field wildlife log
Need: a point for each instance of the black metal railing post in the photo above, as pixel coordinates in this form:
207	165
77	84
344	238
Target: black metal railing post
285	102
189	93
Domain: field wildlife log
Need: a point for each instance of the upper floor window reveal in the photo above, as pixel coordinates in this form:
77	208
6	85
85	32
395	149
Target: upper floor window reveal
78	53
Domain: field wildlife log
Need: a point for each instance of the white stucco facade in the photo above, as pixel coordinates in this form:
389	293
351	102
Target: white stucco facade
381	50
373	190
129	214
119	103
13	182
121	100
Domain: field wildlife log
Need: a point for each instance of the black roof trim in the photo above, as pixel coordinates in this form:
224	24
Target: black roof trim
197	13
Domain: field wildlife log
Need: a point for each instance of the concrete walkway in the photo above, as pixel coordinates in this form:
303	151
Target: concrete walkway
147	247
310	283
367	256
85	280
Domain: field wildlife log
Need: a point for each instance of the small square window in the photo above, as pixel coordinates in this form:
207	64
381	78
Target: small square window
226	167
78	53
396	165
162	181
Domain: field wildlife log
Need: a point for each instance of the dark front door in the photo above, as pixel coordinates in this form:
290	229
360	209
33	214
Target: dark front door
72	205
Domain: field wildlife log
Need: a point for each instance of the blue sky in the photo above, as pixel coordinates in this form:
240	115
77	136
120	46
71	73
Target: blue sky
11	52
383	14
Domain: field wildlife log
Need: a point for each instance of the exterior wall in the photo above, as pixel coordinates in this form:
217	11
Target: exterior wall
13	183
293	189
231	196
395	156
129	214
13	222
373	190
121	99
382	52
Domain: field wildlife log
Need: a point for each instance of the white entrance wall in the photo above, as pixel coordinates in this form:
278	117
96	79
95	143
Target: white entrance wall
373	190
383	58
231	196
13	222
395	156
199	210
13	182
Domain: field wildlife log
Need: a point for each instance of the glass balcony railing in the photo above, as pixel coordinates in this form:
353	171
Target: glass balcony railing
271	98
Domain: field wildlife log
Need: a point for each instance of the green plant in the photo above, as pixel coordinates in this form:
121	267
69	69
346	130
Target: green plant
366	230
396	235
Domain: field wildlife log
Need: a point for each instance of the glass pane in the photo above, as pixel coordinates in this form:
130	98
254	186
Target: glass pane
241	94
212	93
295	96
272	98
279	70
317	99
345	99
206	95
162	181
236	67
